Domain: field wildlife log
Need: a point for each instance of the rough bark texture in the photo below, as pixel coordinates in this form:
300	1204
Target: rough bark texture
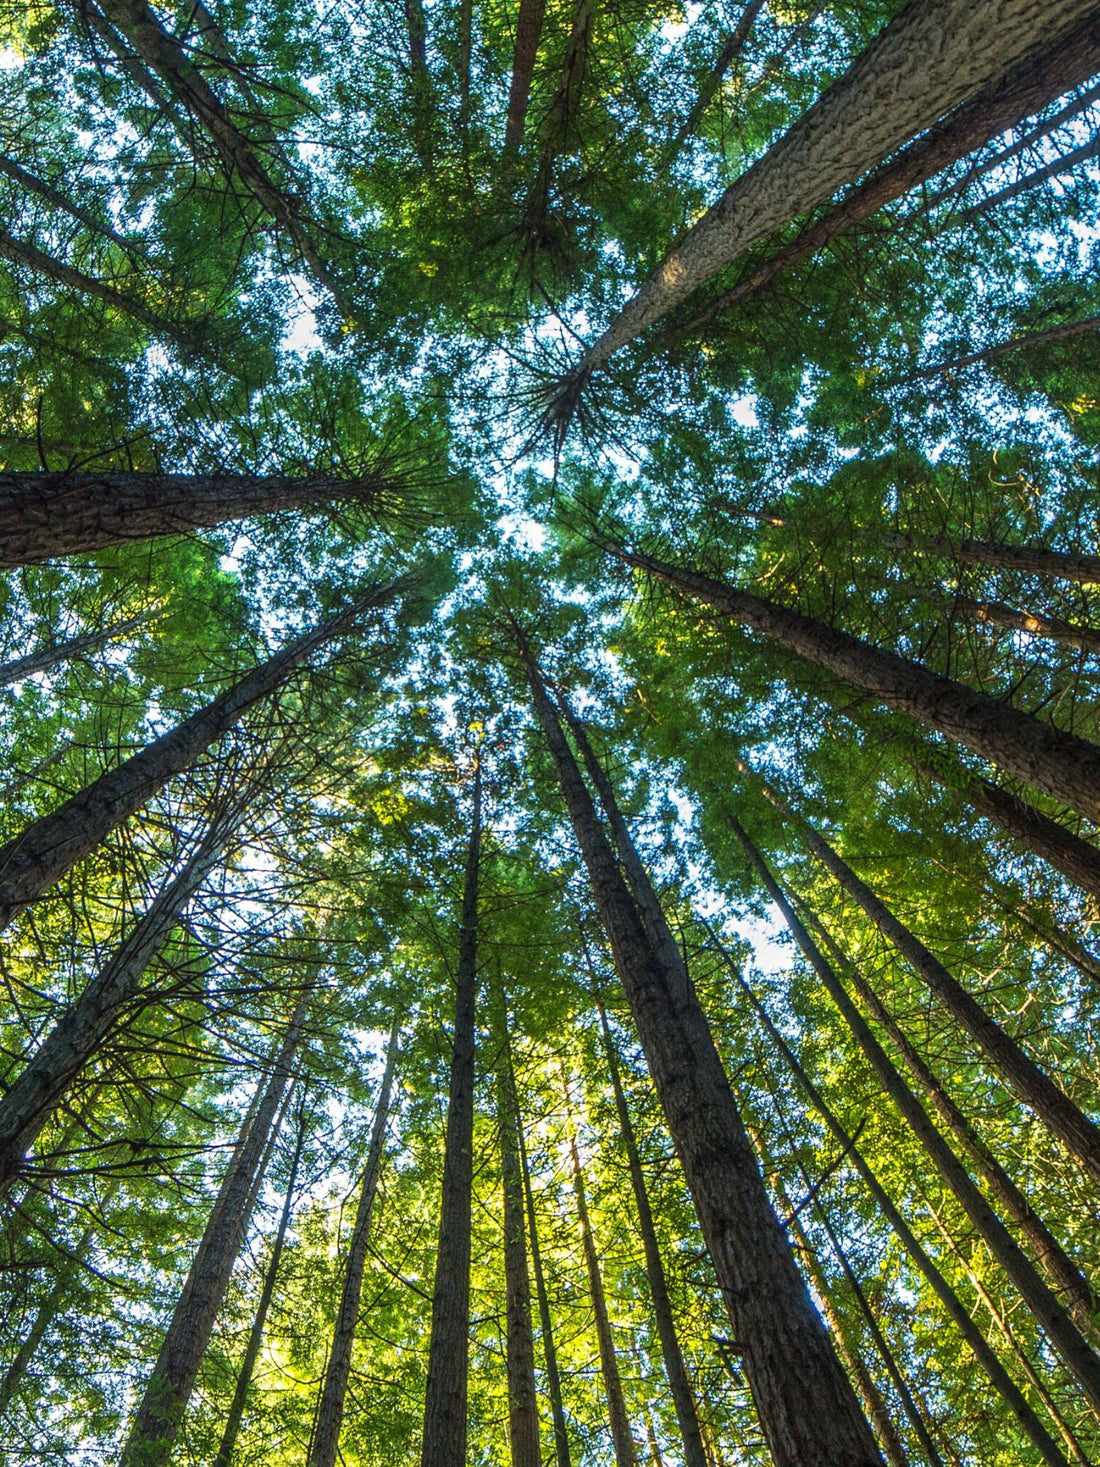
1085	327
1022	1075
66	651
523	1411
235	1416
932	57
807	1407
680	1387
1006	1387
448	1356
1051	1315
32	1098
1060	1268
160	1413
546	1324
40	856
46	516
1060	764
528	34
622	1439
1031	85
330	1411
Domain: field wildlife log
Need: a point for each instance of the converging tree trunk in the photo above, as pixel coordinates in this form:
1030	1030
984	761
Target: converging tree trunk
529	19
449	1351
1049	1312
523	1413
929	59
1068	329
325	1444
32	862
728	53
55	653
235	1417
1035	623
1030	560
46	516
160	1413
1058	763
807	1407
622	1438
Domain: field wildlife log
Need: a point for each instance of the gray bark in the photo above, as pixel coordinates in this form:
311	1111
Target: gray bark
66	651
523	1414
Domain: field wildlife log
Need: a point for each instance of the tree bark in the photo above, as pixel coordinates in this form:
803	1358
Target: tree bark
1086	326
325	1444
1030	86
622	1439
67	651
529	21
1032	560
1055	1109
931	58
32	862
158	1418
807	1408
43	189
553	1375
45	516
1058	763
683	1398
30	1101
1061	1269
1036	623
448	1358
730	50
235	1416
1003	1383
44	1316
523	1414
1049	1313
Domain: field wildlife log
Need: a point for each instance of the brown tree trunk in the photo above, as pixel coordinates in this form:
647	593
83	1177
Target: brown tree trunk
996	613
1060	764
324	1447
553	1375
730	50
931	58
160	1413
528	34
43	189
45	516
32	862
44	1316
235	1416
1032	560
1003	1383
1066	164
1063	1272
66	651
1085	327
1049	1313
1031	85
448	1358
523	1413
680	1387
30	1101
622	1439
807	1408
1055	1109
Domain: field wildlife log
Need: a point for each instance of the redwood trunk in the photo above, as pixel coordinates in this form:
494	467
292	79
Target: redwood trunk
48	516
732	47
66	651
448	1358
1049	1313
160	1414
32	862
528	34
1060	764
807	1408
523	1413
1032	560
1036	623
1085	327
330	1413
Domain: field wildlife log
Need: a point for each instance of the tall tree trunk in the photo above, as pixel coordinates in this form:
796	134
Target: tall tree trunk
44	1316
1049	1313
546	1324
46	516
33	1097
929	59
324	1447
1003	1383
66	651
448	1357
529	21
1055	1109
30	183
32	862
1029	87
523	1414
164	1402
1084	327
680	1387
622	1439
728	53
420	82
1065	164
1063	1272
235	1417
807	1408
1036	623
1031	560
1060	764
